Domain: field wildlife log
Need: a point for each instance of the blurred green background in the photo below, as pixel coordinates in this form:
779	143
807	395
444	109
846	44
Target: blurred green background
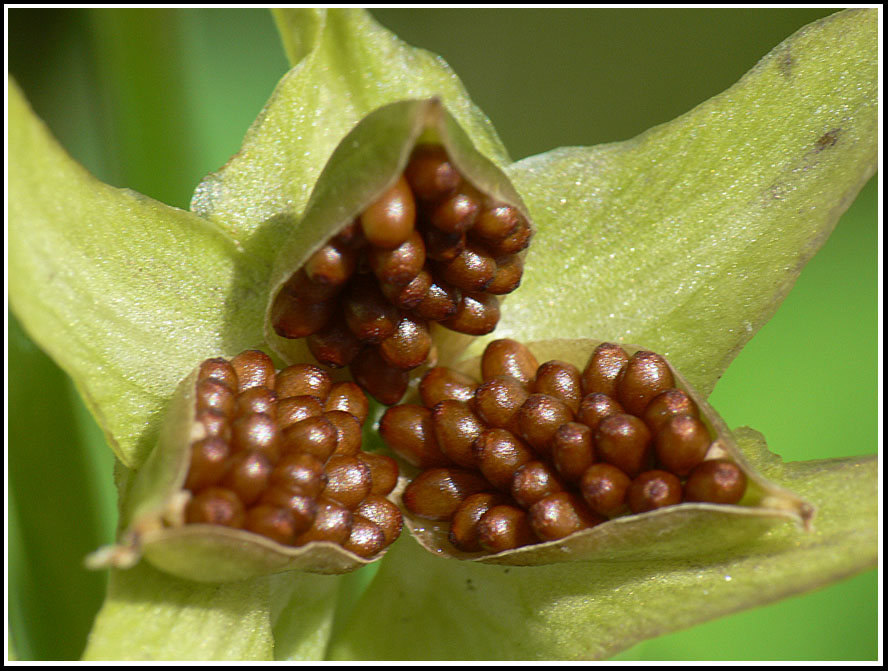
154	99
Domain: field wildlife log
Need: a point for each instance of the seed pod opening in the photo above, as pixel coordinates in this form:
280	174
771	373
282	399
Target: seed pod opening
612	481
388	241
276	492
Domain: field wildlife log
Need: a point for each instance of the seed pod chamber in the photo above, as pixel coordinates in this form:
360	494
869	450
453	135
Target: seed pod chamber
687	530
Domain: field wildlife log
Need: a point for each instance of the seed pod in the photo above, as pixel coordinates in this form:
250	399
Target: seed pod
216	505
653	489
435	494
476	314
497	223
409	432
398	266
471	270
681	444
665	406
315	436
383	472
509	270
533	481
348	432
365	538
303	379
509	357
296	408
604	488
561	380
624	441
430	173
408	347
539	419
441	384
348	480
388	221
332	265
348	397
384	514
457	213
603	369
254	368
716	481
573	450
273	522
499	453
256	400
595	407
464	523
559	515
645	375
259	432
209	462
498	400
456	428
504	528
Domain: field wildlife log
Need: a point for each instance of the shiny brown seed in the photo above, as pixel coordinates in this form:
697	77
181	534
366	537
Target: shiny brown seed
442	383
456	428
499	453
463	532
573	450
539	419
373	373
498	400
272	522
645	375
624	441
509	357
505	528
300	286
604	487
497	223
509	270
559	515
299	474
209	461
351	236
348	397
458	213
603	368
400	265
653	489
666	405
430	173
410	295
383	472
254	368
256	399
303	379
409	346
595	407
331	265
472	270
389	220
315	436
334	345
384	514
296	408
409	432
256	431
348	431
436	493
516	242
476	314
332	523
365	538
348	480
367	312
533	481
212	394
441	246
218	369
302	509
681	444
247	475
294	317
440	302
561	380
215	423
215	505
716	481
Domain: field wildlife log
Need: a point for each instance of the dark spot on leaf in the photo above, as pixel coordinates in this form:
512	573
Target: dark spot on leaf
785	63
828	140
469	585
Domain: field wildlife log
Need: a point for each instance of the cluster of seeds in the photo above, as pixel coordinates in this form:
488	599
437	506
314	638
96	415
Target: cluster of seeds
535	452
431	249
281	457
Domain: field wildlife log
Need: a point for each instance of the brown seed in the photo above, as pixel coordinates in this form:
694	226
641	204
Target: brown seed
389	220
332	523
209	461
272	522
561	380
604	487
716	481
646	375
367	312
348	480
497	223
476	314
498	400
351	236
315	436
331	265
409	345
384	514
302	287
218	369
505	528
440	302
401	264
383	382
296	408
348	397
254	368
603	369
247	475
472	270
212	394
442	383
436	493
299	474
410	295
302	509
559	515
595	407
463	532
383	472
430	173
573	450
509	270
441	246
533	481
215	505
458	213
215	423
409	432
294	317
365	538
499	453
348	431
303	379
516	242
624	441
509	357
456	428
665	406
256	431
539	419
653	489
681	444
256	399
334	345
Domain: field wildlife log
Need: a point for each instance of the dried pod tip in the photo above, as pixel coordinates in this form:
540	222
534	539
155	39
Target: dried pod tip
431	248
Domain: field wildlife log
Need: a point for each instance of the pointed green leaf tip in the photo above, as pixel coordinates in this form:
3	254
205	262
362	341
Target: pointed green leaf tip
686	239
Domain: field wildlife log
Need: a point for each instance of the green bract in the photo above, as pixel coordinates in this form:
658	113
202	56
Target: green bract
683	240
